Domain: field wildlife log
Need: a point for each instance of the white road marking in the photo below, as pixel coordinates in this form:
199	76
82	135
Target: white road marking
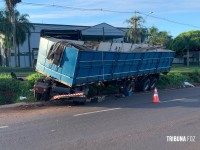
2	127
173	100
93	112
105	110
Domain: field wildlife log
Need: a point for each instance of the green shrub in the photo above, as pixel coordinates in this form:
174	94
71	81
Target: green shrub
194	76
172	80
9	89
30	80
12	89
28	84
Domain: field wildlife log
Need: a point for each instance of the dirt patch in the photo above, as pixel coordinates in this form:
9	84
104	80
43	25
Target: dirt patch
30	106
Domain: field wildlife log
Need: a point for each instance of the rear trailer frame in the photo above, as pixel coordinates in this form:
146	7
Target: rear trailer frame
73	68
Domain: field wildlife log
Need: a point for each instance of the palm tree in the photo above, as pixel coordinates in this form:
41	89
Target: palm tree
153	35
136	33
23	30
6	30
161	38
10	7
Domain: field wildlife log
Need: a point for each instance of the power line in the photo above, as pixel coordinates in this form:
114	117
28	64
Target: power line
107	10
168	20
59	6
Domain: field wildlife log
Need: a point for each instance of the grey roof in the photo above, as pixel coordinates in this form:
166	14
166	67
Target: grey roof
96	30
101	29
39	27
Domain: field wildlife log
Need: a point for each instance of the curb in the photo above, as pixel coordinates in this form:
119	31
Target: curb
23	104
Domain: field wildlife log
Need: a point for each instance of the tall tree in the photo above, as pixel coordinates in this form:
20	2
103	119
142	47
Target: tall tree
186	42
23	30
6	31
161	38
10	7
137	33
153	32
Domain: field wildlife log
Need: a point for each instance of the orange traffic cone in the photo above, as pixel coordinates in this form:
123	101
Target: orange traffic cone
155	96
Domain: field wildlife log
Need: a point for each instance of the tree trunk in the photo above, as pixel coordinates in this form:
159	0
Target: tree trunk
188	58
18	52
6	58
29	50
7	61
14	35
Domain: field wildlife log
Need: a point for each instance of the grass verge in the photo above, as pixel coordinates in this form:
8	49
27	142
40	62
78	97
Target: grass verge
176	79
12	89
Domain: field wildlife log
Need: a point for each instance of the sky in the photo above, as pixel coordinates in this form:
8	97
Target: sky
186	13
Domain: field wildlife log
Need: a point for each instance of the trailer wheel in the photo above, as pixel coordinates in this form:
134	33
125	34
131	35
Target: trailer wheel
38	96
128	87
45	95
145	84
153	80
137	86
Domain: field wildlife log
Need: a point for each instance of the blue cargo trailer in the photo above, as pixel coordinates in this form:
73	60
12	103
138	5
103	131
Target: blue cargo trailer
73	67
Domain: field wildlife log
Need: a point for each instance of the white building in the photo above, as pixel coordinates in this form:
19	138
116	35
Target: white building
100	32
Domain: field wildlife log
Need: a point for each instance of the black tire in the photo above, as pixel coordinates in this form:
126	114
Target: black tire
145	84
153	80
137	86
128	87
38	96
45	95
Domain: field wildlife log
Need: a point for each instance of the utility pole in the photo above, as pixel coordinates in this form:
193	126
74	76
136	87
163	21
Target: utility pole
135	26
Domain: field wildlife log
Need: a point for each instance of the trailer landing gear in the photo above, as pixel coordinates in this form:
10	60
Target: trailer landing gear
153	81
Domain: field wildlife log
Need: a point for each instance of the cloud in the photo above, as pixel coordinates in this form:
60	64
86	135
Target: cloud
145	6
67	14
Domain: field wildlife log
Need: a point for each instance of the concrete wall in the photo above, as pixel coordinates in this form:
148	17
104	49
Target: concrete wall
178	61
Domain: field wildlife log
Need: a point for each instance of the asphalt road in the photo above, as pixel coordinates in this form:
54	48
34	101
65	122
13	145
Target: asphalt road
132	123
